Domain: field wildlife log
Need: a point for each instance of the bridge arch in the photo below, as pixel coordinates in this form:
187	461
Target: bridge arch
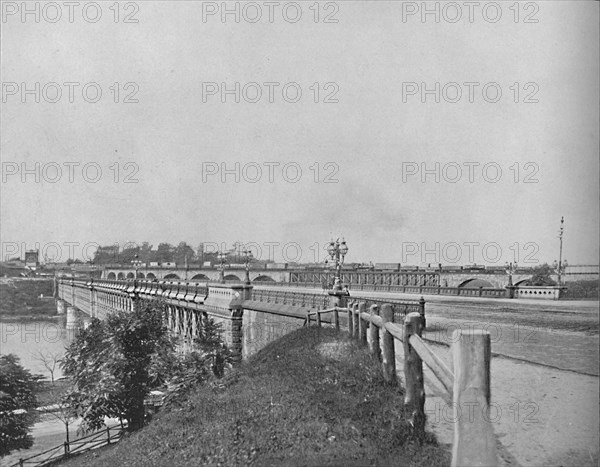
231	277
264	278
121	276
150	276
140	275
171	276
475	283
522	283
111	276
130	275
200	277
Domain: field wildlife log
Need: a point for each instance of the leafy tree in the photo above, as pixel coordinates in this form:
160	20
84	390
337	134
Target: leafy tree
182	251
209	359
63	411
106	254
211	346
129	254
17	400
115	363
542	276
165	252
146	252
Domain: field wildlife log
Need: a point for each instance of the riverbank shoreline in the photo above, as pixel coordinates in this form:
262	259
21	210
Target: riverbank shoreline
29	318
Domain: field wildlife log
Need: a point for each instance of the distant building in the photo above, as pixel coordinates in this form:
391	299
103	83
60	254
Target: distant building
32	259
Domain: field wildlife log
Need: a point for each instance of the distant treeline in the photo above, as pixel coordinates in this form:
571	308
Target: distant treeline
163	253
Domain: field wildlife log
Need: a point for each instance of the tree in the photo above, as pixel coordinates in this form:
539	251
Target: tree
17	401
165	252
542	276
211	346
49	360
209	359
182	252
63	411
115	363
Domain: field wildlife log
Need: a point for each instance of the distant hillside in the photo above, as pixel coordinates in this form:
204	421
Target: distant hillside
19	297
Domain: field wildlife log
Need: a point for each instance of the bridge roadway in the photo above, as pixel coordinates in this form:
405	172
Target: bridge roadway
558	334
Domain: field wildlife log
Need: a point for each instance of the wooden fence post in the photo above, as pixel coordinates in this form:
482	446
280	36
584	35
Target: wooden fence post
374	345
108	434
318	318
362	324
350	319
474	440
336	319
355	330
422	311
414	398
387	340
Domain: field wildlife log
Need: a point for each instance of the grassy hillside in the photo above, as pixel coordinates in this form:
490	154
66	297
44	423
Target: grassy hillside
21	297
310	398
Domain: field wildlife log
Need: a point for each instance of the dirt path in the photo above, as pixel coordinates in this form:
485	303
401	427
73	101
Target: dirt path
542	416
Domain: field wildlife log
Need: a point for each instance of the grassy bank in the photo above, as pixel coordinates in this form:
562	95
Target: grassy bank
21	298
310	398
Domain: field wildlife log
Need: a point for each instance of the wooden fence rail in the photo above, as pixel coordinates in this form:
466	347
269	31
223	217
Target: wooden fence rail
72	448
467	386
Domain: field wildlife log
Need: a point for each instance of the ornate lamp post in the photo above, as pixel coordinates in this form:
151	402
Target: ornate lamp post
560	265
337	251
136	263
222	258
247	258
510	269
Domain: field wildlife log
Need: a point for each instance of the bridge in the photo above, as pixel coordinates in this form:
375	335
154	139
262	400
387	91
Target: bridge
356	278
251	318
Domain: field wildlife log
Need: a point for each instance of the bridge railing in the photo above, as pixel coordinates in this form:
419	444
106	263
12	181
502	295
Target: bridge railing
467	385
299	299
489	292
172	289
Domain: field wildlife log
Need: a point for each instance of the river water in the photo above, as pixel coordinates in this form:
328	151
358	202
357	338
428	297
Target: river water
28	339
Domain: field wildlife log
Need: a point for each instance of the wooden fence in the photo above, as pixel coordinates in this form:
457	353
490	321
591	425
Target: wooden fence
111	434
467	387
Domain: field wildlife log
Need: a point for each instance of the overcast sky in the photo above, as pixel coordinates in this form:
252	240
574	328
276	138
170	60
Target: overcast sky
372	143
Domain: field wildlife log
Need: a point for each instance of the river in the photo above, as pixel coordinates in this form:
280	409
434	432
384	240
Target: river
28	339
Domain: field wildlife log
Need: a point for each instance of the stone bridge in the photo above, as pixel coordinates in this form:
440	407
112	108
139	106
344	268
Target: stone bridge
316	277
195	274
250	318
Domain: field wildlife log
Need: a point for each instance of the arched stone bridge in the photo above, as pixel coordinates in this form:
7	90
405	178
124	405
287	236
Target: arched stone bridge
357	279
250	318
195	274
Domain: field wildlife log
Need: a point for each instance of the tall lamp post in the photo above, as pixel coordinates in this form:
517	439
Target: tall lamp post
510	269
222	257
337	251
560	265
247	258
136	263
